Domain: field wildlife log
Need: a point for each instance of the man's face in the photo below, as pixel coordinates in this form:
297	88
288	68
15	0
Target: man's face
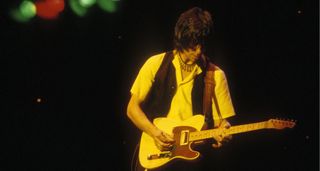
193	54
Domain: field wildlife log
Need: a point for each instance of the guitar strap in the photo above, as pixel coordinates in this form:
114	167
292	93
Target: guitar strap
208	95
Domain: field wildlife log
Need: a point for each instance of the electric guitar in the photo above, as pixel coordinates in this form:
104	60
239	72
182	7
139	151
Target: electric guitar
188	132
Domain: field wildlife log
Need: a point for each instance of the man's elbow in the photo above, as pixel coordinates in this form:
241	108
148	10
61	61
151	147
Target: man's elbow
133	108
129	111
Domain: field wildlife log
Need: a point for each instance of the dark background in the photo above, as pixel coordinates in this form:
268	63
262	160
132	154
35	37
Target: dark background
83	67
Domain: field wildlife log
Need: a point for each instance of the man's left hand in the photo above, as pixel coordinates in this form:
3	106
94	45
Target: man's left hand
222	137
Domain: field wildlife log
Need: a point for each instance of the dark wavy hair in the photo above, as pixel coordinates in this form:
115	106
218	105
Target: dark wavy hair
192	28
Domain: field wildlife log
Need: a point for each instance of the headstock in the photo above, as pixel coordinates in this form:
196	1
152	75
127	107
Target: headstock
280	123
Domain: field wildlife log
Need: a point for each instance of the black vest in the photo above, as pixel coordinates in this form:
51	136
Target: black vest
158	100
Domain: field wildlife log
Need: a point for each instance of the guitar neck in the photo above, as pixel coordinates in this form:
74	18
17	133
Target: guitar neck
200	135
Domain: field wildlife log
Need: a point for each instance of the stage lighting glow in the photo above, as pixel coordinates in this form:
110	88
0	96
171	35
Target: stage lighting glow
17	16
44	11
49	9
87	3
77	8
24	13
39	100
55	5
107	5
27	9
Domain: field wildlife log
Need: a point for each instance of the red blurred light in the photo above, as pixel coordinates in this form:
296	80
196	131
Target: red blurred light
56	5
49	9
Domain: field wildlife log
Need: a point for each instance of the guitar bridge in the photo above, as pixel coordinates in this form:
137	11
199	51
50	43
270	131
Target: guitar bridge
159	156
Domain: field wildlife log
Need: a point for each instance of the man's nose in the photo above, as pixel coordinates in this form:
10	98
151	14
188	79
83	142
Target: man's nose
197	51
198	48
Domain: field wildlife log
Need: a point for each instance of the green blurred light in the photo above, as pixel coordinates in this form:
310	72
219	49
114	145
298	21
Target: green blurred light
78	8
87	3
27	9
24	13
107	5
16	15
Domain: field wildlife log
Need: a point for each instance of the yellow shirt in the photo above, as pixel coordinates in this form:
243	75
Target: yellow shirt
181	106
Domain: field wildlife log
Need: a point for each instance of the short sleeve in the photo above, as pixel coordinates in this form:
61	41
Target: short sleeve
222	102
145	77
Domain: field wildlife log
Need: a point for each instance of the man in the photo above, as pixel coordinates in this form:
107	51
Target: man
171	84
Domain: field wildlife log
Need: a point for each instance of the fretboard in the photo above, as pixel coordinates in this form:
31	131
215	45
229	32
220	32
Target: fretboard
200	135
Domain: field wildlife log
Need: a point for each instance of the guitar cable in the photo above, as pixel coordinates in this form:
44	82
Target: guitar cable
134	161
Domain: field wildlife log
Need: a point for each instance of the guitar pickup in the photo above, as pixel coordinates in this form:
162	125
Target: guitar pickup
184	137
159	156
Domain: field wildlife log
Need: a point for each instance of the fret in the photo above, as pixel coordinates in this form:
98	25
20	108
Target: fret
200	135
246	128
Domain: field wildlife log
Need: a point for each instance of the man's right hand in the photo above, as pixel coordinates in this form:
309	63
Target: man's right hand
163	141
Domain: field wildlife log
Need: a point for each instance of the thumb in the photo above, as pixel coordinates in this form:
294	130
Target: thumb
216	145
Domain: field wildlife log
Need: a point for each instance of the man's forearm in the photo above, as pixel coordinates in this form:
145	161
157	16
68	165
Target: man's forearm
139	118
